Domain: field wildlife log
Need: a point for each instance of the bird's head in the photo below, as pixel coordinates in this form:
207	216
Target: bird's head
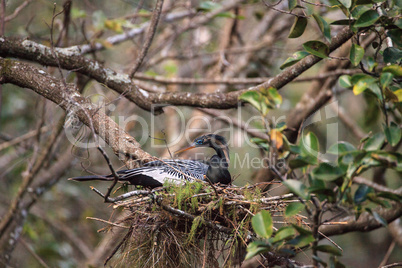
216	142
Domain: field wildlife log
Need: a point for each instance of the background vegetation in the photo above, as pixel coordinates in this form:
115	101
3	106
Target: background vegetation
77	66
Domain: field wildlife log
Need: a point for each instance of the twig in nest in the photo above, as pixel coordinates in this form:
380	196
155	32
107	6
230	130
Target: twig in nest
120	197
130	231
186	215
108	222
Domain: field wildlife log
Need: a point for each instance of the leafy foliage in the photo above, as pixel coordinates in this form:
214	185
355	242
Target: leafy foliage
332	181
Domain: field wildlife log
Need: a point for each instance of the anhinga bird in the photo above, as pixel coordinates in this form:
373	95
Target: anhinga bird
154	174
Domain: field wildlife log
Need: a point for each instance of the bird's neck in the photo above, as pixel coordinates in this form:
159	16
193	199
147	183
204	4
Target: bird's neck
223	154
218	170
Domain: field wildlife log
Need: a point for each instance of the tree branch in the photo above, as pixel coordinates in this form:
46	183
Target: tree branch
68	98
365	223
121	83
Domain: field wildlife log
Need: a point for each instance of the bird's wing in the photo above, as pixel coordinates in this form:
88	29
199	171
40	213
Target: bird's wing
175	170
181	168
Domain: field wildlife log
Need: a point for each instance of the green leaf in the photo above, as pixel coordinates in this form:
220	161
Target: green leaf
317	48
293	59
346	3
396	35
274	96
348	158
309	144
284	233
356	77
358	10
294	149
335	263
263	143
390	196
301	230
368	18
300	161
323	193
262	224
296	187
323	25
252	97
363	84
343	22
375	142
256	248
327	172
361	193
301	240
255	98
293	208
356	54
392	55
292	4
388	159
345	81
371	63
319	260
258	140
376	90
398	94
329	249
396	70
386	79
377	217
393	134
298	27
374	198
341	147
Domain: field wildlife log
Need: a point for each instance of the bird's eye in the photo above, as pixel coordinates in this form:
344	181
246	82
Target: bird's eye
199	142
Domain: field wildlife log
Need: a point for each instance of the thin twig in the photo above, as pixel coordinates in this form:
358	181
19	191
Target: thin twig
151	32
52	44
22	138
280	10
108	222
348	121
130	231
115	175
120	197
17	11
33	253
186	215
27	180
388	254
317	4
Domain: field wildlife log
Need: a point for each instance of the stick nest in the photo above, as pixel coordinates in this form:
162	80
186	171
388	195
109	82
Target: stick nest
192	225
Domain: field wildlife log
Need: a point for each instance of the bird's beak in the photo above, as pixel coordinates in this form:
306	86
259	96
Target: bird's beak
185	149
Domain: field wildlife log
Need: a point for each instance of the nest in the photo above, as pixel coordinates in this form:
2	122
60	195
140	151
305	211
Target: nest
192	225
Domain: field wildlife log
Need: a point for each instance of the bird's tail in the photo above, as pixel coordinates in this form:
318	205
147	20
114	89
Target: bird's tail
92	178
